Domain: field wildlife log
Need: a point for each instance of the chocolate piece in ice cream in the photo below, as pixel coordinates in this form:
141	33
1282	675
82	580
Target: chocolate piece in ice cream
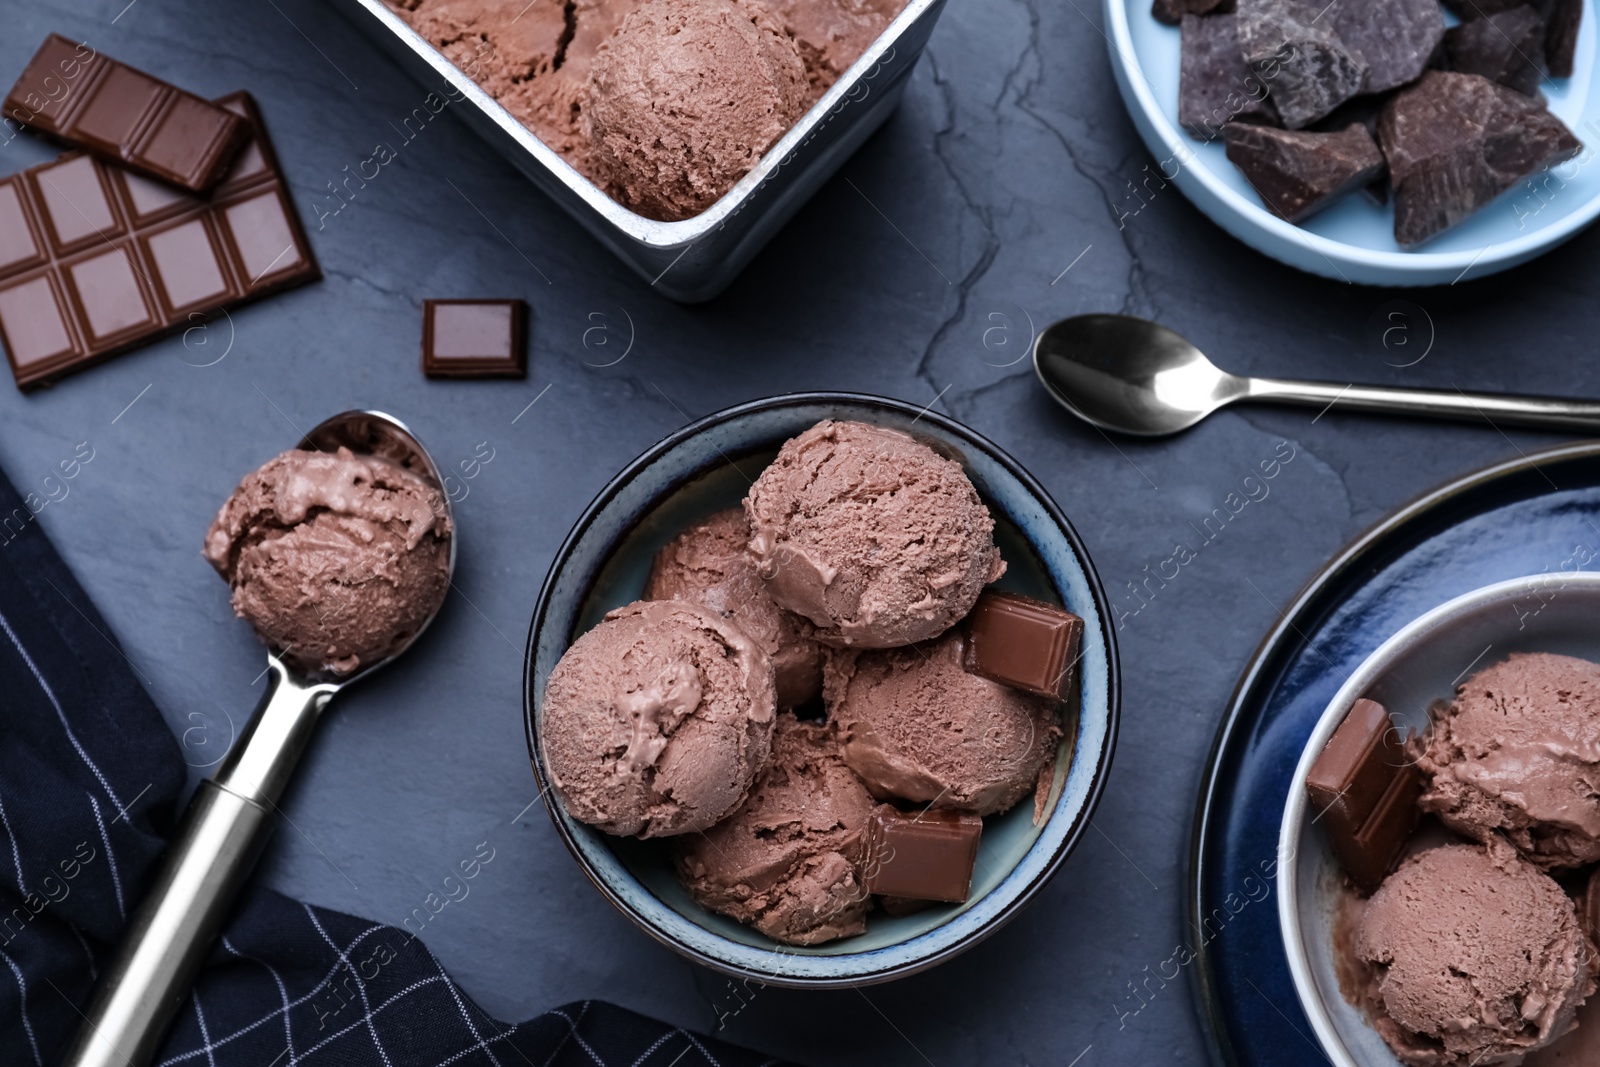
1365	788
685	98
916	725
870	534
1476	957
707	563
657	720
928	855
788	861
336	560
1518	753
1025	643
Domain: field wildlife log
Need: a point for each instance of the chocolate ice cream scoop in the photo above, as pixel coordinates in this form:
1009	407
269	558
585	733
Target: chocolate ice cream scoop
870	534
915	725
789	860
374	492
707	563
656	721
1476	957
1518	753
336	559
685	98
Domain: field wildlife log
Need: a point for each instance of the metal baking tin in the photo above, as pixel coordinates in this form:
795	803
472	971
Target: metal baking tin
695	259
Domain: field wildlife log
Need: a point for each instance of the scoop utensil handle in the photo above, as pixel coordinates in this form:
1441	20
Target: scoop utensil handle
222	834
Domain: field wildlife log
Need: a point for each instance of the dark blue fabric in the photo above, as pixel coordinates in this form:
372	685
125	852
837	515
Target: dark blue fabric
89	778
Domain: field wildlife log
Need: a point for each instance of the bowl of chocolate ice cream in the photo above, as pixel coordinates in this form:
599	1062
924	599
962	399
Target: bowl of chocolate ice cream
821	690
1442	843
681	133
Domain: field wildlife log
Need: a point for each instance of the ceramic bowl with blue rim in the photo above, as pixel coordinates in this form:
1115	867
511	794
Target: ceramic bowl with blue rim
1353	240
708	466
1423	662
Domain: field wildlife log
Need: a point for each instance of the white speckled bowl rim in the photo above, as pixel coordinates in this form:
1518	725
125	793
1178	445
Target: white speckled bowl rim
1306	896
767	423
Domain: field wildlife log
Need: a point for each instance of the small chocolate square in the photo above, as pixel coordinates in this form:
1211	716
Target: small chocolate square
1024	643
926	856
1364	789
19	246
148	200
105	287
188	266
263	238
77	203
474	338
33	324
122	100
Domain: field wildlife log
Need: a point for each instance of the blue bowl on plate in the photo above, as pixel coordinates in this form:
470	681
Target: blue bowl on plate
708	466
1423	662
1353	240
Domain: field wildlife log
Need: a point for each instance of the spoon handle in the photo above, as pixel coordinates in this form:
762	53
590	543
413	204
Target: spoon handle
222	833
1551	413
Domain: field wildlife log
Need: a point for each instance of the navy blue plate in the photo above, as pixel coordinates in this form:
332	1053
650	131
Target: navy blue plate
1538	514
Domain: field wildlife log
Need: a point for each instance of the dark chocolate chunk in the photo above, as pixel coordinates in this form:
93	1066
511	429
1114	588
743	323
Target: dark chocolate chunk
1506	47
1456	141
1589	906
1307	69
1172	11
1396	38
474	338
1215	85
1024	643
74	95
926	856
1363	111
1364	790
95	259
1561	19
1297	172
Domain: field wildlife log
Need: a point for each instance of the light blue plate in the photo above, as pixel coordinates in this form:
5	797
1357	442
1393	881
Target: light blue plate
1353	240
708	466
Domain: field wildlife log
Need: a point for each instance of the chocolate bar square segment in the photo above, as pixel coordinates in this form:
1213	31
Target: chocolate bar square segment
33	324
149	200
126	116
105	288
1024	643
188	266
1371	851
1364	789
474	338
19	245
263	238
926	856
77	203
54	82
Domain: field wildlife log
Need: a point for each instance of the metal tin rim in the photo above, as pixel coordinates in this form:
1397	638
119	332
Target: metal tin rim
1101	770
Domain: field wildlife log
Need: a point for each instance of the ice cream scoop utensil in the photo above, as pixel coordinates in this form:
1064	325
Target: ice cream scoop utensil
230	818
1138	377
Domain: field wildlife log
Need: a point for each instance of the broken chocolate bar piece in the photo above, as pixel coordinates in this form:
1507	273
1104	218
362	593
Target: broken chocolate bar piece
1456	141
1297	172
1215	85
1396	38
1364	790
926	856
1024	643
1506	47
1307	69
474	338
74	95
95	260
1172	11
1561	21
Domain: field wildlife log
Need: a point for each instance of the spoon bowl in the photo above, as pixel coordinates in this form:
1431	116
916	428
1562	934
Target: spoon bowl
1138	377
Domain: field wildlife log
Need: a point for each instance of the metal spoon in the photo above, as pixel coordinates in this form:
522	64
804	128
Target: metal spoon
1138	377
230	817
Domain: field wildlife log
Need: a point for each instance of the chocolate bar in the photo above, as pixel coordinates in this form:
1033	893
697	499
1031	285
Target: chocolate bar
1022	642
72	94
474	338
1365	790
928	856
95	259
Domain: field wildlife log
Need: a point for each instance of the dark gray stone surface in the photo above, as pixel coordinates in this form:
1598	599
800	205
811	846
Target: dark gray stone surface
915	274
